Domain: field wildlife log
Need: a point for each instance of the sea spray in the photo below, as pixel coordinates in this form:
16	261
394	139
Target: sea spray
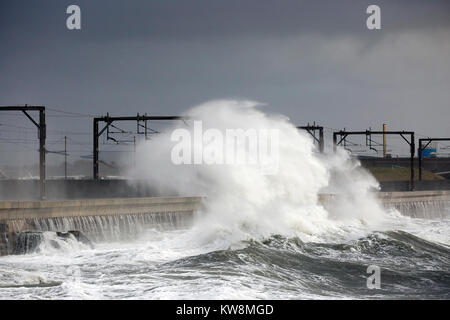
242	201
354	189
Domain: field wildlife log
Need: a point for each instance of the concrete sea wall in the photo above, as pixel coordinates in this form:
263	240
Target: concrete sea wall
417	204
99	219
22	222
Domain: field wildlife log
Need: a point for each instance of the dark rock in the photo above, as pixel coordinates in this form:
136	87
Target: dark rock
3	227
78	235
82	238
64	235
27	242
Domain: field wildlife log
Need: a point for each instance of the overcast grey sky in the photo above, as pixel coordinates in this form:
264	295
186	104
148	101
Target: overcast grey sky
310	60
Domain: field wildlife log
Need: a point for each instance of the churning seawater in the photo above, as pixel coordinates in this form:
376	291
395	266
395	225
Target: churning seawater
259	236
413	255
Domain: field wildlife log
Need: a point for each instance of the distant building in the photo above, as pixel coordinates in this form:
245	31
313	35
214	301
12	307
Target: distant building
430	151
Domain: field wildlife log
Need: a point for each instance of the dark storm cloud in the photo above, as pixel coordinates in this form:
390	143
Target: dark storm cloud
234	18
103	20
310	60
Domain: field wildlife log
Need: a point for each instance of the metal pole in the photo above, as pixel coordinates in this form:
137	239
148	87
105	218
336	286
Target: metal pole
321	141
412	162
42	136
95	150
420	159
65	157
145	123
334	141
384	140
134	151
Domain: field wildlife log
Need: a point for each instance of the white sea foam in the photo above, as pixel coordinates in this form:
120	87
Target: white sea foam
242	202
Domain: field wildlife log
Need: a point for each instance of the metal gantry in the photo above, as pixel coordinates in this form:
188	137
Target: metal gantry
423	147
142	128
343	135
311	129
109	120
42	135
